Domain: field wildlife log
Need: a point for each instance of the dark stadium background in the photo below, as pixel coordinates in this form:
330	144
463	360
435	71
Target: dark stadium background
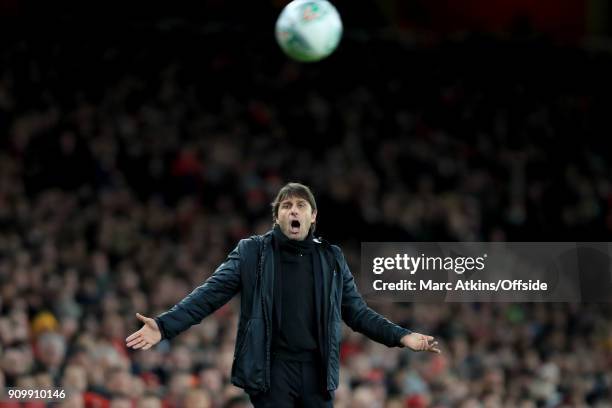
139	142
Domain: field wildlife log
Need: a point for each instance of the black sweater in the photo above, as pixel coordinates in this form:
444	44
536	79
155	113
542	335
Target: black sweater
296	338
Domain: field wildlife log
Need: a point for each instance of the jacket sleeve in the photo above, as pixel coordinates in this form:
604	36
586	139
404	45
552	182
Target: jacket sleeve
205	299
359	317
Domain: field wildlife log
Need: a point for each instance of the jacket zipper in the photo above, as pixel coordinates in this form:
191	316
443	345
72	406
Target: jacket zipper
329	326
266	322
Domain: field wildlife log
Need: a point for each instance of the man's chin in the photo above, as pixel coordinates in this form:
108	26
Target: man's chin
295	236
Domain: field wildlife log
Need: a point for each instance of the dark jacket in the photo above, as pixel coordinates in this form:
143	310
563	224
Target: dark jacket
249	269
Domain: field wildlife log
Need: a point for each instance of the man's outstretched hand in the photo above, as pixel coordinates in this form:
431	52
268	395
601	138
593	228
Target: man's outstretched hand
145	338
420	342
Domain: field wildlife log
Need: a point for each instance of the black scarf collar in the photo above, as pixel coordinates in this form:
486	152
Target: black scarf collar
286	244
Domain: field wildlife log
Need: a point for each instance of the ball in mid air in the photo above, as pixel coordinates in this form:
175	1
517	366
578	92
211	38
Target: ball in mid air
308	30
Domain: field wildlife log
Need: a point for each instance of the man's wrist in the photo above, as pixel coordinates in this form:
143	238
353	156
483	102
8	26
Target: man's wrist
160	326
403	333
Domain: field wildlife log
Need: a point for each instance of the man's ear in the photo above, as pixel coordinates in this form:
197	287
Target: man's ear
314	216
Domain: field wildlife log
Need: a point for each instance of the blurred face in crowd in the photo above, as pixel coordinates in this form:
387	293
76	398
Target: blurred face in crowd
26	381
14	362
212	380
197	399
73	401
75	378
179	384
120	403
295	216
44	380
52	349
119	382
149	401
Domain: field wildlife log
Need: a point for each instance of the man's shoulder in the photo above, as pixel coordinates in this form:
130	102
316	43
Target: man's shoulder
326	245
253	243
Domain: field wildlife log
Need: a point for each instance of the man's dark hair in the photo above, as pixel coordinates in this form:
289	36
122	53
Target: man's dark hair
293	190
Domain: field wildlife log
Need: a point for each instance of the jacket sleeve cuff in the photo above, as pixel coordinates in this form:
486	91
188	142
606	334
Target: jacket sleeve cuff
160	325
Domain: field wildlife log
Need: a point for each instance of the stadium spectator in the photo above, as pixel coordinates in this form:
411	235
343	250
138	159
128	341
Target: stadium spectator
111	186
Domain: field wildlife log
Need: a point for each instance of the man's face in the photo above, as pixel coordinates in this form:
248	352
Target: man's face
295	216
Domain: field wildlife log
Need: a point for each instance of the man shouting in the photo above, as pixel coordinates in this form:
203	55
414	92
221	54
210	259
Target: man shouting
295	290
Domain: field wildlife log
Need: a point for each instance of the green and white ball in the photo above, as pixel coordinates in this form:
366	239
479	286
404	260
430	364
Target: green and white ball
308	30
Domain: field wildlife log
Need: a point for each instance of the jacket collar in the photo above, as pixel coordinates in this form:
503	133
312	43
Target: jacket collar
319	242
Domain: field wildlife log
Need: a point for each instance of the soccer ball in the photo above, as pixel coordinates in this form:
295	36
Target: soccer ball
308	30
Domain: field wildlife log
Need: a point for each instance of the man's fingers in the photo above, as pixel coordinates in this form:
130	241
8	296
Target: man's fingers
423	342
140	344
433	347
142	318
132	336
134	341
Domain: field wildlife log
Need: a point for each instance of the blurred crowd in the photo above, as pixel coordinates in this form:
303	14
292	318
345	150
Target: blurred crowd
131	166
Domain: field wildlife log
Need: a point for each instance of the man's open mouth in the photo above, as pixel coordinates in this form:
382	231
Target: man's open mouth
295	226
